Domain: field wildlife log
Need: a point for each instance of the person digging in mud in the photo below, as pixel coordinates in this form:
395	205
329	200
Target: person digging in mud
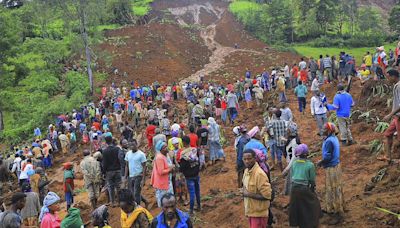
256	191
394	126
170	215
334	199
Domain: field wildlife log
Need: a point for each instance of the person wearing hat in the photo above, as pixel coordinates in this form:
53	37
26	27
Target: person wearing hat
30	212
48	217
304	209
342	104
161	173
11	217
259	94
334	199
394	115
69	177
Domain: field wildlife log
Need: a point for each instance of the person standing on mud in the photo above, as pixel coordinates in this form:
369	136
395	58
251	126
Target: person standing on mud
241	141
394	115
233	105
92	177
279	131
256	191
342	103
161	178
318	111
305	209
334	199
112	168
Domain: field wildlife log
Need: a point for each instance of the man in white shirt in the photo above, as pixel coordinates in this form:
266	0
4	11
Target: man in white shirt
302	64
315	85
318	110
286	72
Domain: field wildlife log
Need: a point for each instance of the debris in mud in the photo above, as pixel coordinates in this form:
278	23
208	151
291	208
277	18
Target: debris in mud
215	191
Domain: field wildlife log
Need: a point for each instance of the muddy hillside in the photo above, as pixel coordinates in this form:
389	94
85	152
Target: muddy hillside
189	38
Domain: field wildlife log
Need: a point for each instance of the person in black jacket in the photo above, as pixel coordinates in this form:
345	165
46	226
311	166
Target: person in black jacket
190	167
112	168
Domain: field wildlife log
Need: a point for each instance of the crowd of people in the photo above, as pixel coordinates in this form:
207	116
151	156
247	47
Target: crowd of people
175	131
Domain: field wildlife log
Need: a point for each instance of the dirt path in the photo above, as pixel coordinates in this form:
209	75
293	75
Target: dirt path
219	52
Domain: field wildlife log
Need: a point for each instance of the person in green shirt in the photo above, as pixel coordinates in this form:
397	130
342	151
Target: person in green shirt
304	206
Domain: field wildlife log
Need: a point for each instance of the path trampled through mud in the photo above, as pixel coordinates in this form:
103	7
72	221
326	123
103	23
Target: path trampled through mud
219	52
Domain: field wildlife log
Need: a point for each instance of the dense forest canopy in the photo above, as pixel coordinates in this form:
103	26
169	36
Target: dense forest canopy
38	41
321	22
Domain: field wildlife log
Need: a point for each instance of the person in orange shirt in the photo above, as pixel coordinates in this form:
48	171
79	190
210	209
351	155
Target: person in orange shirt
303	76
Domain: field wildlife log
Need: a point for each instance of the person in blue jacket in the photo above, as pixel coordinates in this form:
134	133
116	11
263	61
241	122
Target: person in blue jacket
334	200
342	104
170	216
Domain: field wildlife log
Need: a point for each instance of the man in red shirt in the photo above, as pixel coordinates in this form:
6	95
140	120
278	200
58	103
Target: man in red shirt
193	137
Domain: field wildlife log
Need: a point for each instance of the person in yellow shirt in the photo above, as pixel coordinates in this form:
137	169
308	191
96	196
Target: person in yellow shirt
364	74
367	59
132	215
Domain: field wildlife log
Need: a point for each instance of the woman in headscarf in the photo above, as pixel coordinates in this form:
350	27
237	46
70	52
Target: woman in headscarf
334	200
305	209
132	215
100	217
254	143
48	215
214	141
161	175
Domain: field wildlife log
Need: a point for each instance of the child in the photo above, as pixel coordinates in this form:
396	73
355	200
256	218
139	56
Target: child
69	183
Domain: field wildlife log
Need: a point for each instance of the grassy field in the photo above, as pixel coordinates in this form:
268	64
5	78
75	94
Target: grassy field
358	53
141	7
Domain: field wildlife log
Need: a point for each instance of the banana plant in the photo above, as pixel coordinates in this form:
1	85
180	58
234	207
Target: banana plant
381	127
375	146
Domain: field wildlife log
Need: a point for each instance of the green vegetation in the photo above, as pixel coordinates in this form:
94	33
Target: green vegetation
358	53
36	45
141	7
320	23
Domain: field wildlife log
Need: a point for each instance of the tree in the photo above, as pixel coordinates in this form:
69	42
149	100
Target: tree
394	19
326	13
369	18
